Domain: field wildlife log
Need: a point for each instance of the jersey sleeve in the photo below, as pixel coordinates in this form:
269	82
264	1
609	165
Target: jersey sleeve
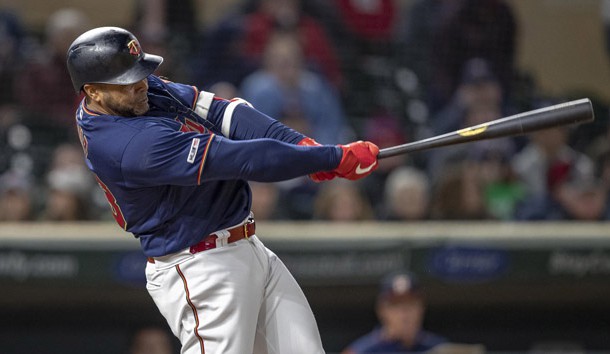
237	120
160	156
267	160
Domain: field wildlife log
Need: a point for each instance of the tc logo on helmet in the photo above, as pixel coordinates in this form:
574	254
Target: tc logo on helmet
134	48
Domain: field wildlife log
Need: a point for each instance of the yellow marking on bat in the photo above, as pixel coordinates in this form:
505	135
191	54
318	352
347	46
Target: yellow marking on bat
472	130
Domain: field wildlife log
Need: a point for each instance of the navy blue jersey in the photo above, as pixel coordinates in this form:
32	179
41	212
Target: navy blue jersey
180	171
374	342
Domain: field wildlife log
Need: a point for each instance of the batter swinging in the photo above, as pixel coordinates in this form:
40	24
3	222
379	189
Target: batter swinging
174	163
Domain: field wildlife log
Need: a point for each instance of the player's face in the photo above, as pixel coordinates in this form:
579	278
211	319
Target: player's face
401	319
121	100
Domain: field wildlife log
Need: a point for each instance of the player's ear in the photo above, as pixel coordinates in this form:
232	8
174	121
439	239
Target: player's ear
92	91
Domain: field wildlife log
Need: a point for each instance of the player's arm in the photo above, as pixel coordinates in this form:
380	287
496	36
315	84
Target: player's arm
160	156
240	121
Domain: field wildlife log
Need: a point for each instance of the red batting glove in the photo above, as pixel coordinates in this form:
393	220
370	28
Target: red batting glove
359	160
318	176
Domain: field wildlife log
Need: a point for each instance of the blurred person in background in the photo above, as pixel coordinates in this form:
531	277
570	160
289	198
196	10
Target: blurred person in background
221	57
300	98
400	309
339	201
478	88
272	16
572	195
474	29
546	149
265	199
43	88
478	99
407	195
366	47
70	186
502	189
16	197
458	193
168	28
416	28
151	340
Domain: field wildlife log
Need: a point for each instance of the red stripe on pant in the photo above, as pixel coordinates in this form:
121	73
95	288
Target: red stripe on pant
188	299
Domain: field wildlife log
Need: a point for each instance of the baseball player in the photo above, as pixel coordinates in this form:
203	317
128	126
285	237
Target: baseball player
174	163
400	309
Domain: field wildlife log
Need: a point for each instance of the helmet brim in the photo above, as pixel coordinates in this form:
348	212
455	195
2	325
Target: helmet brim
141	70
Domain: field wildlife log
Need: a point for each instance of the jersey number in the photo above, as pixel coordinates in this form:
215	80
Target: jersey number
116	210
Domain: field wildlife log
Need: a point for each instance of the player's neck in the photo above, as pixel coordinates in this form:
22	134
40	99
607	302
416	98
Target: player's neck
95	107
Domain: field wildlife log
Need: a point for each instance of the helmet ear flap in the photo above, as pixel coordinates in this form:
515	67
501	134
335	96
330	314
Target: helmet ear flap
110	55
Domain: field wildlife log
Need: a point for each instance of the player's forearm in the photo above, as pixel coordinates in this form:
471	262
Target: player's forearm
267	160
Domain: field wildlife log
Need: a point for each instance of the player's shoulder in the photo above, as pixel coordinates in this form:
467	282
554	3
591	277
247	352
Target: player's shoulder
367	342
125	128
139	124
430	339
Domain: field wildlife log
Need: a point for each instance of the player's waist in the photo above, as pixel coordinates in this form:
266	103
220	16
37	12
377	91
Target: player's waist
214	240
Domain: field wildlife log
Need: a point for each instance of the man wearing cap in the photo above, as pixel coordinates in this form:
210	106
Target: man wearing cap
174	163
400	309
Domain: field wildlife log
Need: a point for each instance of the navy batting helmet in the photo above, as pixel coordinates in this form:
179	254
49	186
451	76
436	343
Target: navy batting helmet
109	55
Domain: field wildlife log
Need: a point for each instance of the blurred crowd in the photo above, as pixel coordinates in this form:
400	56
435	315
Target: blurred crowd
336	71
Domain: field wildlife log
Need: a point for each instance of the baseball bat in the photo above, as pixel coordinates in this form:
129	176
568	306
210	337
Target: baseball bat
578	111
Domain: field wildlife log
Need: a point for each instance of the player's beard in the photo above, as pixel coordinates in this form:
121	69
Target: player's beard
134	108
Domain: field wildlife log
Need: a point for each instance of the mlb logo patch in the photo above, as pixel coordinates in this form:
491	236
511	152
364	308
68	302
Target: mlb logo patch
193	150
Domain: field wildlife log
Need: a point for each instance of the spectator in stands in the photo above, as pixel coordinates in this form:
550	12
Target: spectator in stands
16	202
221	57
477	29
367	48
407	195
151	340
458	193
265	198
400	309
572	195
417	27
371	23
561	182
479	90
44	87
70	186
284	88
169	29
546	149
340	201
477	100
272	16
502	190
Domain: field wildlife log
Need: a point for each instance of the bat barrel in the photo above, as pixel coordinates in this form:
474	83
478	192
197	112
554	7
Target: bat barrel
578	111
572	112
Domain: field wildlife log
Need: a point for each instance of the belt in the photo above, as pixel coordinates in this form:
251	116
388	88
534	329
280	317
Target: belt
222	238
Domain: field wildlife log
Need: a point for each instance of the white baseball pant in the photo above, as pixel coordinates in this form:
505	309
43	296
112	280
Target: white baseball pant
236	299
